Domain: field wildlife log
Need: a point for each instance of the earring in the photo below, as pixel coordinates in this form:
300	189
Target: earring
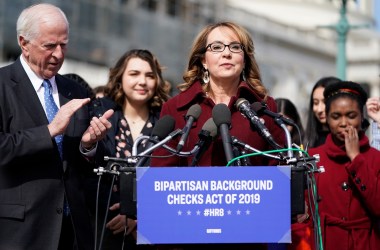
206	76
243	76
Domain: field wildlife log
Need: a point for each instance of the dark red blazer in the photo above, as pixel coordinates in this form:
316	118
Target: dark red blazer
240	128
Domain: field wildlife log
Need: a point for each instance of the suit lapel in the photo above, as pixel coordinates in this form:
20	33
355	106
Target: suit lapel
27	94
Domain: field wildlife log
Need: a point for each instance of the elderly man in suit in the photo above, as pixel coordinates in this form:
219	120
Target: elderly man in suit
42	205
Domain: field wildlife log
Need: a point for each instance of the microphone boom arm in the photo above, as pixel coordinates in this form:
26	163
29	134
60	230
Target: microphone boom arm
168	138
235	141
287	135
137	142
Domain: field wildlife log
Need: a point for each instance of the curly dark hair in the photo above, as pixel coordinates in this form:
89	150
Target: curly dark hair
348	89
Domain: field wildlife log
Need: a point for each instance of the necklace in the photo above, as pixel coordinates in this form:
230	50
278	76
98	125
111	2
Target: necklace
135	121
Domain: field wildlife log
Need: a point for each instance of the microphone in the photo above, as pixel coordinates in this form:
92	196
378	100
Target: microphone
263	108
280	120
244	107
222	118
162	128
206	135
192	115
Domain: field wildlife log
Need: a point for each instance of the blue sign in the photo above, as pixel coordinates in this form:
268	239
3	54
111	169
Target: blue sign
213	205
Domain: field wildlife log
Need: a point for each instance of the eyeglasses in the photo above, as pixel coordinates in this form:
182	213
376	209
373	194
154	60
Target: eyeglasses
220	47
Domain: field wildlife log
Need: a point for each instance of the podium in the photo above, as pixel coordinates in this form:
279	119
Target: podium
195	205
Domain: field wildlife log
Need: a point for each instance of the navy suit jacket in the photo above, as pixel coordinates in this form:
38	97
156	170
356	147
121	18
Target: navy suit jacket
33	177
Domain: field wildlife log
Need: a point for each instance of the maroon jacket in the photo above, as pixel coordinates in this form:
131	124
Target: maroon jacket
349	196
240	128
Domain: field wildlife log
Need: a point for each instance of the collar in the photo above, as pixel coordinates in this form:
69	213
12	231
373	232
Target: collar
35	79
195	92
335	151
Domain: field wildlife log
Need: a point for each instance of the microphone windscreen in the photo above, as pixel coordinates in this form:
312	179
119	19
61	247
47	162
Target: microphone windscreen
194	111
221	114
239	102
257	107
211	127
164	126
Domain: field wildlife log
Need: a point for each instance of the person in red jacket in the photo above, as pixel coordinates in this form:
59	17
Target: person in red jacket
221	69
349	189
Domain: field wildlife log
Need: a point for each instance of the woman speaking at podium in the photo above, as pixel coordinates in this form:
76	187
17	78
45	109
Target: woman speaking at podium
221	69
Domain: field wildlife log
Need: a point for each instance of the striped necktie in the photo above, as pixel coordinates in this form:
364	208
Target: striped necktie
51	110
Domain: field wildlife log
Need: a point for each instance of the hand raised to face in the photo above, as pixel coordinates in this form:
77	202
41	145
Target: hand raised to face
344	120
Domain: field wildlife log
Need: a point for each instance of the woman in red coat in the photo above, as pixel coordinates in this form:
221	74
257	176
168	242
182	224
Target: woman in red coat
349	189
221	69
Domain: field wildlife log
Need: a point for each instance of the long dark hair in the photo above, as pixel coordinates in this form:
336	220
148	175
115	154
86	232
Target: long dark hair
288	109
314	128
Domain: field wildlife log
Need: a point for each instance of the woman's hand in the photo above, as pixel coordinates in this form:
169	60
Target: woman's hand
351	141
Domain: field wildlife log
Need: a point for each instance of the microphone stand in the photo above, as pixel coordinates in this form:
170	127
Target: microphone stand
173	151
137	142
160	143
287	134
125	168
235	141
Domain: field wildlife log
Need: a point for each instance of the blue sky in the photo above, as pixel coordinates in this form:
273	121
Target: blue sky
377	14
